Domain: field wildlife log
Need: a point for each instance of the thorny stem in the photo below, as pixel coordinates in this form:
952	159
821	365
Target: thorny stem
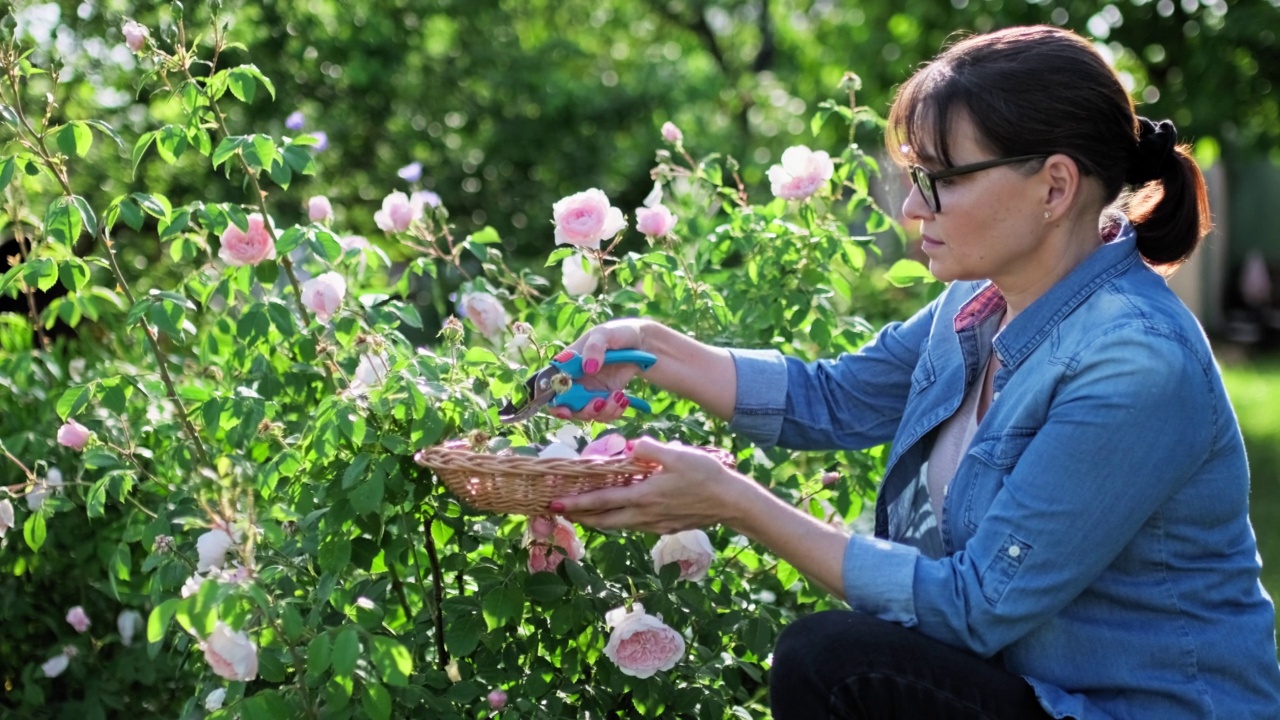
25	470
437	590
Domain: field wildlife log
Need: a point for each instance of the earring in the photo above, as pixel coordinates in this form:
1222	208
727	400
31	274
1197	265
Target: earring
1047	214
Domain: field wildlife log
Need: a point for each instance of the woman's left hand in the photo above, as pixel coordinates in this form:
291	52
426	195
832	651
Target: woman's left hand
692	490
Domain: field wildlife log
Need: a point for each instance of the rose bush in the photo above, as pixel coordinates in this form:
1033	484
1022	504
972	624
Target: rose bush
225	448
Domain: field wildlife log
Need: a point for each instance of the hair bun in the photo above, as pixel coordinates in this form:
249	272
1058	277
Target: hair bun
1153	152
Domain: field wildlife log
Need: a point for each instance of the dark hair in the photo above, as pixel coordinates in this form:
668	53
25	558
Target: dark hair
1045	90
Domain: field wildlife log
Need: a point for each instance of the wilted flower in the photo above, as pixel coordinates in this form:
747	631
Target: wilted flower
247	247
497	699
6	516
212	548
73	435
671	133
578	280
485	313
213	701
231	653
319	209
127	623
585	219
411	172
655	221
691	549
295	121
77	618
397	214
163	544
641	644
323	294
451	330
801	173
135	35
54	666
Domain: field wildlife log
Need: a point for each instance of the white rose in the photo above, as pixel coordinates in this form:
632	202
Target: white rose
231	653
578	280
212	548
213	701
54	666
6	516
691	549
127	623
485	312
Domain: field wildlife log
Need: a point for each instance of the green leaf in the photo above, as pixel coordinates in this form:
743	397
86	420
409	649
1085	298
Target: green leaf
106	129
486	236
40	272
73	274
86	214
291	619
502	604
240	80
33	531
289	240
226	149
158	620
393	661
6	172
72	401
367	496
319	652
346	650
74	138
157	206
376	701
171	142
62	222
334	553
97	498
463	633
140	149
907	272
545	587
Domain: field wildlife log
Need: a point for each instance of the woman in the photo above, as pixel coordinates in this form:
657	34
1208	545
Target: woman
1062	530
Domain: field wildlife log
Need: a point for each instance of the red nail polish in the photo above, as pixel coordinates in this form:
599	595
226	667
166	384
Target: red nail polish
590	366
556	507
619	396
623	403
598	405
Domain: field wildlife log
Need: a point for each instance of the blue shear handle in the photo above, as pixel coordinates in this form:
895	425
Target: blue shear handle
573	366
577	397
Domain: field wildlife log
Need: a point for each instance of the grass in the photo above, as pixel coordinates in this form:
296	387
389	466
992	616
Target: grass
1254	387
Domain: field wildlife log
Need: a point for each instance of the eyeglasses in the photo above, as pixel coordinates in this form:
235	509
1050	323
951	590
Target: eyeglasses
927	181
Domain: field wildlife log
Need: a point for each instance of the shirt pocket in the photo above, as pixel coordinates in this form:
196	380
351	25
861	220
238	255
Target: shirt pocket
923	375
991	460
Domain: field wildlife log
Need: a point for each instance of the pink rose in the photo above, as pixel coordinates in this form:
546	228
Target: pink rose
6	516
212	548
578	281
323	294
397	213
691	549
73	435
497	699
641	644
606	445
656	221
231	653
802	173
585	219
240	247
135	35
671	133
319	209
552	539
830	478
485	312
78	619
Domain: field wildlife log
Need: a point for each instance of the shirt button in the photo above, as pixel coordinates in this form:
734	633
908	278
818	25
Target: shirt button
1014	551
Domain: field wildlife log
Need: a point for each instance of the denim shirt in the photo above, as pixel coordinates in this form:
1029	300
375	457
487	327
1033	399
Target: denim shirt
1095	538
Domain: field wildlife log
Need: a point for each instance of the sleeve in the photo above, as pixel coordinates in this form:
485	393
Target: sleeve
850	402
1117	443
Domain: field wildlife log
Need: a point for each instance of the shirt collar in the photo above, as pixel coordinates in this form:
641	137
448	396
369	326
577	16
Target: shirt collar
1118	251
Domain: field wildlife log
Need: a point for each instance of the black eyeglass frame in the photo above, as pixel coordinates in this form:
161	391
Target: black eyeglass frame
926	182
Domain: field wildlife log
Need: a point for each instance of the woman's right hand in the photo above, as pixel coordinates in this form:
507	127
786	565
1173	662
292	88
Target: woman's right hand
621	334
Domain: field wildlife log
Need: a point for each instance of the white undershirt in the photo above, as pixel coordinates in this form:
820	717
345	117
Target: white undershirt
954	437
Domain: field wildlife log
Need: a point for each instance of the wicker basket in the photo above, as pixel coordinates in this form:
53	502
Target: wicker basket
521	485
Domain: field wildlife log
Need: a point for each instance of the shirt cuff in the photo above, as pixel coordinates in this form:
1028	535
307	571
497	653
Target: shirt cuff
879	579
762	394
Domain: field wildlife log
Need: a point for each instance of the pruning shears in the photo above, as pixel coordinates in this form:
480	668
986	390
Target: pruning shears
554	385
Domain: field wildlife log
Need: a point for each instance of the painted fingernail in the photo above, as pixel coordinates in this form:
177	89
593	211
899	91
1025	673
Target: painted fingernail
623	403
598	405
619	397
563	413
590	366
556	507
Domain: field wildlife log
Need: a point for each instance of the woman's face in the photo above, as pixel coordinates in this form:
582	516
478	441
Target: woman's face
990	224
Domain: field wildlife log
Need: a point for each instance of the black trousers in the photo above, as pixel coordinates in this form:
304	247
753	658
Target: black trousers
841	664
